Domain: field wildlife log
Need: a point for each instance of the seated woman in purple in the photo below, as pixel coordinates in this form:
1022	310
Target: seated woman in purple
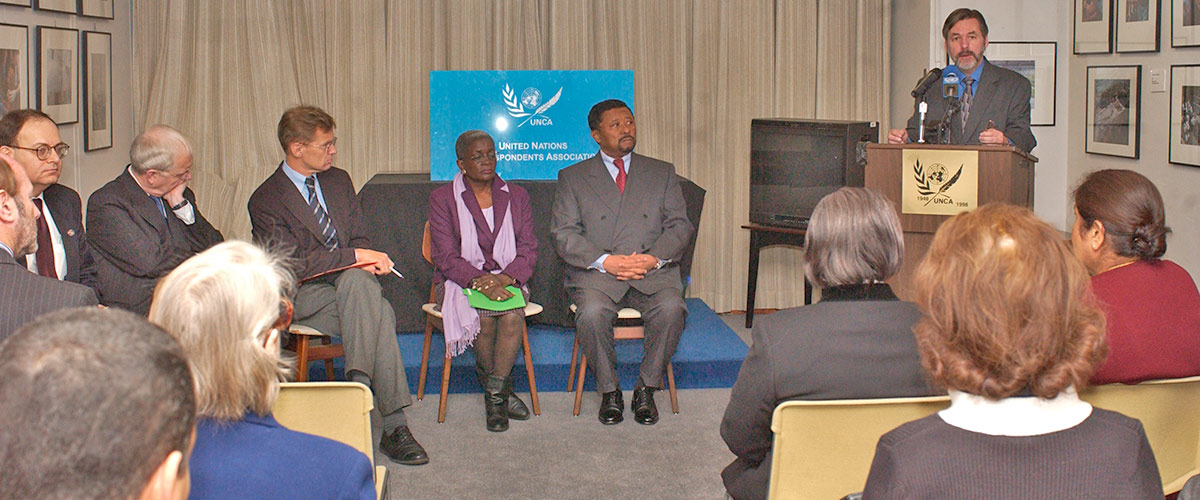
1152	304
481	237
1011	328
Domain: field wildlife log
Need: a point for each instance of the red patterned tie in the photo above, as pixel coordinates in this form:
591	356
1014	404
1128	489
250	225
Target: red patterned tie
45	250
620	163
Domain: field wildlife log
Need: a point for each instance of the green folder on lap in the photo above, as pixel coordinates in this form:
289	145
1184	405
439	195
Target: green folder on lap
480	301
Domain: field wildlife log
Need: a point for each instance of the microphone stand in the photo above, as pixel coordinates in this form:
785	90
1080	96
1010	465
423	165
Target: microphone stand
952	110
923	107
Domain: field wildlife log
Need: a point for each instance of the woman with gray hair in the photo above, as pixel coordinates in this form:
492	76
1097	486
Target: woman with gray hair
227	307
857	342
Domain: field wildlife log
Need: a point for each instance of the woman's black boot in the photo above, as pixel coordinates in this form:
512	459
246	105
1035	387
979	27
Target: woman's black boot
495	402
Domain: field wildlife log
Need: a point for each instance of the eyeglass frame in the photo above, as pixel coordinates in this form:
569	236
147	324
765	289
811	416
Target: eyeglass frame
476	158
328	146
66	149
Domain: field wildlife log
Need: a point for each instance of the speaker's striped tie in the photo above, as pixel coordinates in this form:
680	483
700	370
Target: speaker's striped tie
323	222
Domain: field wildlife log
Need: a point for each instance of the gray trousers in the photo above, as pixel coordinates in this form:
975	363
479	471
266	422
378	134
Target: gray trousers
663	316
351	306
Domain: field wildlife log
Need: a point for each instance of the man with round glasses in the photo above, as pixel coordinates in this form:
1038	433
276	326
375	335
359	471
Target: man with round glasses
31	138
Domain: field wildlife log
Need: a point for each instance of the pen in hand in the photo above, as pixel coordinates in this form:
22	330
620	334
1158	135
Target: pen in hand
397	273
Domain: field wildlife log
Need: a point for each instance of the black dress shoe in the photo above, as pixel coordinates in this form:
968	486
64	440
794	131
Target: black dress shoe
644	411
612	408
400	446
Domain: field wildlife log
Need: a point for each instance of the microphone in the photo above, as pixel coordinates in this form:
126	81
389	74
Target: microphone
926	81
950	85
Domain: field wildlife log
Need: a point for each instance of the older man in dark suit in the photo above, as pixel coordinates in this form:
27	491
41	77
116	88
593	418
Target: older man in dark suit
620	224
310	209
989	105
25	295
32	139
145	222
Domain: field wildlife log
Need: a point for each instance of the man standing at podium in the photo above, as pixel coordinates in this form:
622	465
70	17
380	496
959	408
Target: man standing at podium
979	102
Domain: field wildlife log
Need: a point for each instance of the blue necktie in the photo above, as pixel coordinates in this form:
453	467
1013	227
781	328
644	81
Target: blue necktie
162	208
323	221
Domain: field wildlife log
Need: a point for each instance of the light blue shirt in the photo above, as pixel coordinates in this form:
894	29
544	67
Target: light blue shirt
298	181
6	249
612	172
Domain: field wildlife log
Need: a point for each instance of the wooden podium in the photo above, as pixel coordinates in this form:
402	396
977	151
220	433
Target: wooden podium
1005	175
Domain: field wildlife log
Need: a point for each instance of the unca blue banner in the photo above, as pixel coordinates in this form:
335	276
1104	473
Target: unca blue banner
538	118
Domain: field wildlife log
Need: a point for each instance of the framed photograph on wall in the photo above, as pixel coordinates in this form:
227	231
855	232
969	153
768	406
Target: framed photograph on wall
1137	25
1185	23
1184	147
14	67
96	8
1035	61
23	3
97	90
58	73
68	6
1114	108
1093	26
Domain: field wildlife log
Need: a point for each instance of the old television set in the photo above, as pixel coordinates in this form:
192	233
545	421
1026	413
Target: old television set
794	163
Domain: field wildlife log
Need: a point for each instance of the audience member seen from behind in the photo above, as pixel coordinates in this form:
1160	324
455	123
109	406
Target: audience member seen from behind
857	342
227	306
94	404
1012	329
483	242
1152	305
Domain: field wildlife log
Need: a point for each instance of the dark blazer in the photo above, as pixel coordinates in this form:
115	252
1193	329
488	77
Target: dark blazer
446	240
1002	96
255	457
591	218
67	211
279	215
857	342
25	295
134	245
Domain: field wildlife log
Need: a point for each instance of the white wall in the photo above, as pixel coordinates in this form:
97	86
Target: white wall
87	171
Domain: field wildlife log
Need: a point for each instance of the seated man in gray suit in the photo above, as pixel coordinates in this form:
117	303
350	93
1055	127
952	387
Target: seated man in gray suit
620	224
980	103
309	208
145	222
25	295
32	139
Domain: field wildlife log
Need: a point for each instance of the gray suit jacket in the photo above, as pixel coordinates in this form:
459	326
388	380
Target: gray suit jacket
25	295
591	218
1002	97
67	211
134	245
857	342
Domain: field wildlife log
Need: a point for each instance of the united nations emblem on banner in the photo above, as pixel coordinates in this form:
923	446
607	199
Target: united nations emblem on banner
531	97
940	182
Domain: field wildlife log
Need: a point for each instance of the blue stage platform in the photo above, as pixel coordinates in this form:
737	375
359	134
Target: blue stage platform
709	355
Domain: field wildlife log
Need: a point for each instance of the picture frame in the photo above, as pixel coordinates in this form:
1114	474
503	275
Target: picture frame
66	6
96	8
97	90
14	67
1037	62
1114	109
1138	25
22	3
1093	26
58	73
1185	23
1184	145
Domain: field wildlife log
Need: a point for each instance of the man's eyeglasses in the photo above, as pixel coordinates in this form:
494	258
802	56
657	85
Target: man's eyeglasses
327	146
43	151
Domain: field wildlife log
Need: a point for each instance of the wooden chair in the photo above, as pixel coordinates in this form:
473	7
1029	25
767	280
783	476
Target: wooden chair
823	449
628	326
433	319
324	350
340	411
1170	413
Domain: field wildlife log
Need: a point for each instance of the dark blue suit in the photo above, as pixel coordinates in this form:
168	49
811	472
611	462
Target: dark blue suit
255	457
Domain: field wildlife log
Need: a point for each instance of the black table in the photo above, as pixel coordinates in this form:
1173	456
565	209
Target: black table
762	236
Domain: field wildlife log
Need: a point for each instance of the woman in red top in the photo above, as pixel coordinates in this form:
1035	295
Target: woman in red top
1152	306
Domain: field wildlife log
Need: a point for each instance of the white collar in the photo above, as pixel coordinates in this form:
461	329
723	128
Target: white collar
1016	416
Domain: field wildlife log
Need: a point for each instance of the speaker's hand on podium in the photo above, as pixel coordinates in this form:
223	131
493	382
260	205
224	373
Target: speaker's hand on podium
897	136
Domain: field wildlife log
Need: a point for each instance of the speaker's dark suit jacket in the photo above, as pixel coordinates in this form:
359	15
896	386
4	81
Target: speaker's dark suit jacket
857	342
134	245
279	214
1002	97
591	218
25	295
66	209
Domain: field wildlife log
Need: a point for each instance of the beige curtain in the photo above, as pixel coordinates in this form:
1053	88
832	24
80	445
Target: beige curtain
222	71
